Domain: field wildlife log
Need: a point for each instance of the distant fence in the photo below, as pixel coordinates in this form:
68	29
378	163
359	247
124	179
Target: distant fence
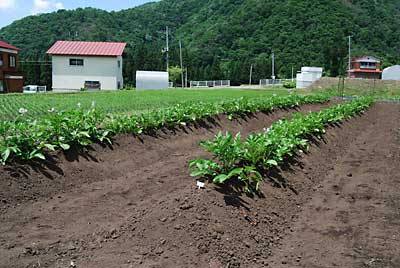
273	82
38	89
42	88
216	83
346	86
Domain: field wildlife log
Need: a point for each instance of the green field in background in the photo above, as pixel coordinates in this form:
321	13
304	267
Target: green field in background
119	101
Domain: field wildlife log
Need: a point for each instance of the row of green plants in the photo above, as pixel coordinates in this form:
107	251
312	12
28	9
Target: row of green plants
244	164
26	139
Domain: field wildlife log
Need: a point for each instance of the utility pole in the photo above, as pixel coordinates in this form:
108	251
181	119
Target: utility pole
292	73
349	67
251	72
181	60
186	77
273	65
167	48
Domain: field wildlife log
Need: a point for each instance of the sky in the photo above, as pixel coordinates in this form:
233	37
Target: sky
11	10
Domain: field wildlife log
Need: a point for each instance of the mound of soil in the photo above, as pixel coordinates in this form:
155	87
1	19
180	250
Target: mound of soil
135	205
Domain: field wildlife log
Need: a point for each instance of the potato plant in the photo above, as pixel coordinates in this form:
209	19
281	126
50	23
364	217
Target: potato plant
245	161
27	139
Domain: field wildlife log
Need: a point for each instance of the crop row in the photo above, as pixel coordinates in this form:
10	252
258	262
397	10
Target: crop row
27	139
117	102
245	163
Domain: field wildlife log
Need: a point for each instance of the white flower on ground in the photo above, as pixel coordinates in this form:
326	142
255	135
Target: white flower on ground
22	110
93	104
274	95
79	105
52	110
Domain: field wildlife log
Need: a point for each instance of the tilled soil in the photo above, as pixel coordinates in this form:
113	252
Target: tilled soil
135	205
353	217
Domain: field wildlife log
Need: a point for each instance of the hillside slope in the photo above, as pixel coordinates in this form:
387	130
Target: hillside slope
223	37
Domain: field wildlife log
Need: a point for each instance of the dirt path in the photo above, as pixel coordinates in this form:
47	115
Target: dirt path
353	219
136	206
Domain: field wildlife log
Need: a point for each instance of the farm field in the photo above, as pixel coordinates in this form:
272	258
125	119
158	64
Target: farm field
118	102
134	204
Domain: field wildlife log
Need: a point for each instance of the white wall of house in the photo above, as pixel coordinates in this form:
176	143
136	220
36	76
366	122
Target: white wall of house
391	73
106	70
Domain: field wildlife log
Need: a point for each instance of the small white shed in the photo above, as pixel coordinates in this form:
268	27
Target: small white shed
391	73
150	80
308	76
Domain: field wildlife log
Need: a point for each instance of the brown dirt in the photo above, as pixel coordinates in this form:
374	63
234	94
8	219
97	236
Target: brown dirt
136	206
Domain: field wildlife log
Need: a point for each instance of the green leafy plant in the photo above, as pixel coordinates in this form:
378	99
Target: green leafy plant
246	161
289	84
27	139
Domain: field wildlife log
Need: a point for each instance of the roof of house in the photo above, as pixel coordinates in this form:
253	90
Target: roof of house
87	48
366	58
8	46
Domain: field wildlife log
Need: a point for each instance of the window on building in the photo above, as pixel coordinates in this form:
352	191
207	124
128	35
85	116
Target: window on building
13	61
1	86
1	60
119	64
368	65
76	62
92	85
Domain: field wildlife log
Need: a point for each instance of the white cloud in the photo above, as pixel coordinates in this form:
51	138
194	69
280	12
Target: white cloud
7	4
59	5
44	6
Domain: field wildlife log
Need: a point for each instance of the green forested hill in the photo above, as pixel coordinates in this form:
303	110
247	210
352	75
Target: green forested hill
222	38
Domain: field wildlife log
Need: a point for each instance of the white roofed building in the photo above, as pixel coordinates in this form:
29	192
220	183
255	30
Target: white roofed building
391	73
88	65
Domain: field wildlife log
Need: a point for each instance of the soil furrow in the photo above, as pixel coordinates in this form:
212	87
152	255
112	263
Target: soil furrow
353	218
136	206
53	214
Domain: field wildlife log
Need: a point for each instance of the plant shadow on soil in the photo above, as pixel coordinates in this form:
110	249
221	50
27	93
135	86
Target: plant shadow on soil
76	152
52	165
25	169
234	191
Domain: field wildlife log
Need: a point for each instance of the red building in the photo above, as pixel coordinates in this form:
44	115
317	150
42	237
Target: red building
366	67
11	80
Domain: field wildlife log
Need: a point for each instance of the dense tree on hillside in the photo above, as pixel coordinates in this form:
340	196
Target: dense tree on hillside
222	38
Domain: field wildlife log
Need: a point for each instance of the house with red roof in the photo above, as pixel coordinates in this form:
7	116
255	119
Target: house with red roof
365	67
89	65
11	80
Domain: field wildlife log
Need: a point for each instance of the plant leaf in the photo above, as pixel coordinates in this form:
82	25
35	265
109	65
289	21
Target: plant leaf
50	147
197	173
272	162
65	146
220	179
40	156
6	154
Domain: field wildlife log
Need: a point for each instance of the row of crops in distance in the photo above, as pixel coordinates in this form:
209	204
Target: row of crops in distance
25	138
117	102
244	164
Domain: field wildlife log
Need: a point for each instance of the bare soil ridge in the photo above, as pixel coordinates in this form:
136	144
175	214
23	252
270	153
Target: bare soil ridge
135	206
